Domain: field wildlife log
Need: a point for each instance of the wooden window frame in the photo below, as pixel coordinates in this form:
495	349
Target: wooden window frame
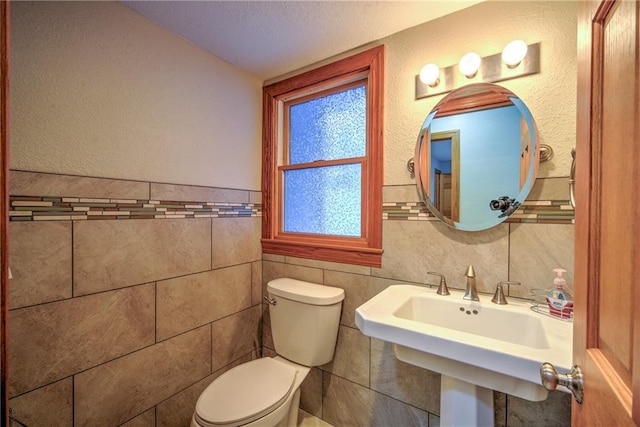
364	250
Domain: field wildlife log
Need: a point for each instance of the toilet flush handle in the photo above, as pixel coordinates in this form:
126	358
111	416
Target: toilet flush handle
270	300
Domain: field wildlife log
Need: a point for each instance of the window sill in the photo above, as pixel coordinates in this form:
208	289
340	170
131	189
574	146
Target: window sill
369	257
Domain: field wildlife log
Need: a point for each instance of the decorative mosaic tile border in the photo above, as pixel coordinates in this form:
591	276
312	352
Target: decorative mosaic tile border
538	212
28	208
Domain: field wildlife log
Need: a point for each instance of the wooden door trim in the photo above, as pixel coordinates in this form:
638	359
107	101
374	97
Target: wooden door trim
454	136
625	408
4	210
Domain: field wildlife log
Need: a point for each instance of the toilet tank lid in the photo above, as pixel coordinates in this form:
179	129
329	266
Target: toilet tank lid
305	292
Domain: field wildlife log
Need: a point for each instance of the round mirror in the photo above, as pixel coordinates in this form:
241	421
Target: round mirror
476	156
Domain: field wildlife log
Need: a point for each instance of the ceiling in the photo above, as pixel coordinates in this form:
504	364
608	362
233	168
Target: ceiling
271	38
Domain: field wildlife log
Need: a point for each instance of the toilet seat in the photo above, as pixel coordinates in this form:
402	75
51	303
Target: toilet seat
245	393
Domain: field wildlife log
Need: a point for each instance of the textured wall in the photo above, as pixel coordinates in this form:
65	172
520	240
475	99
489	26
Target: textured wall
486	28
98	90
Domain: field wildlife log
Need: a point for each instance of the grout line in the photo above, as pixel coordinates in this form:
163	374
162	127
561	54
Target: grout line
131	286
211	349
73	400
509	231
155	303
322	394
73	270
506	408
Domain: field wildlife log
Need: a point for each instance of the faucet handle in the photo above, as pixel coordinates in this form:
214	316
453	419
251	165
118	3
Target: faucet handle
471	272
442	289
498	297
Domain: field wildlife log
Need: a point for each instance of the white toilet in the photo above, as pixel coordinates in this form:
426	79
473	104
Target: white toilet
266	392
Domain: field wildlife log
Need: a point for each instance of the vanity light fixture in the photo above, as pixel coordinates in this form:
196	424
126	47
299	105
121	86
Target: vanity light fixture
430	75
514	53
470	64
516	60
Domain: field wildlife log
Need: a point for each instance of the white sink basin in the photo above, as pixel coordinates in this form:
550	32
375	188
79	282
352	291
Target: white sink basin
498	347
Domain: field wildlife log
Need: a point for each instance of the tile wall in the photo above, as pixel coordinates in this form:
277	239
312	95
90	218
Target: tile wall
123	318
127	297
365	385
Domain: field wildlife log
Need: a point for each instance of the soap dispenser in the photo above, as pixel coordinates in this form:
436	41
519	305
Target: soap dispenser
559	299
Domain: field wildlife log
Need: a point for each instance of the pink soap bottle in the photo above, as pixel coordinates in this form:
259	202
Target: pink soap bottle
559	299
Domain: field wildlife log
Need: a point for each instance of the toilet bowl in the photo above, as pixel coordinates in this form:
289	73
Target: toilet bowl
266	392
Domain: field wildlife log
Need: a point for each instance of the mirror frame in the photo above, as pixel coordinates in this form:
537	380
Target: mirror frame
470	98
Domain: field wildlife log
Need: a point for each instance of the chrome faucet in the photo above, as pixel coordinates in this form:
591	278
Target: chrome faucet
498	297
442	289
471	293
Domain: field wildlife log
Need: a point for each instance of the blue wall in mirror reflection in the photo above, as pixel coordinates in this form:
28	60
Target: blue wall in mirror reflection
487	150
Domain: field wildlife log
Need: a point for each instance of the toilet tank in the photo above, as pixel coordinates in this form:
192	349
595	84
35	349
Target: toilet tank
304	320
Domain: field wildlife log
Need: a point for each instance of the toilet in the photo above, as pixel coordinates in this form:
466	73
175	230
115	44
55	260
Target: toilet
266	392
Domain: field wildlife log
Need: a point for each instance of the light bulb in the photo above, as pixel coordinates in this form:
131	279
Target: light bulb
514	53
430	75
469	64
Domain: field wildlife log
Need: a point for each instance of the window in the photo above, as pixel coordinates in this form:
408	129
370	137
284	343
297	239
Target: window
322	162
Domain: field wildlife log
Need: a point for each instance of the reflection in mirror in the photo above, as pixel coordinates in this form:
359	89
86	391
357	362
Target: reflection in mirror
476	156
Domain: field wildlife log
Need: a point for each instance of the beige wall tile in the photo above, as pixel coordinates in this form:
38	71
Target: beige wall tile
256	282
550	189
116	391
55	340
235	336
190	301
255	197
351	358
146	419
235	241
44	184
416	386
331	266
500	409
177	410
267	336
311	393
274	258
412	248
535	250
400	193
357	290
40	261
111	254
554	411
194	193
349	404
49	406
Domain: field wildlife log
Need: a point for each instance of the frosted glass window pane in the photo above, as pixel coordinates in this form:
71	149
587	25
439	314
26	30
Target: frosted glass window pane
323	200
328	128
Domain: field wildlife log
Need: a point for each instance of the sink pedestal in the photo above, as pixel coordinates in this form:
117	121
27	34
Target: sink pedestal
465	404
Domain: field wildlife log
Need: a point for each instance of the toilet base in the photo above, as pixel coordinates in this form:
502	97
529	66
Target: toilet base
286	415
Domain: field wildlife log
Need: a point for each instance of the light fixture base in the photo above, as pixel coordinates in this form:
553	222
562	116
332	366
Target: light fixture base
492	70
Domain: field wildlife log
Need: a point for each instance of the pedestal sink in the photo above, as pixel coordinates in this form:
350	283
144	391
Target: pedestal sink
477	346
